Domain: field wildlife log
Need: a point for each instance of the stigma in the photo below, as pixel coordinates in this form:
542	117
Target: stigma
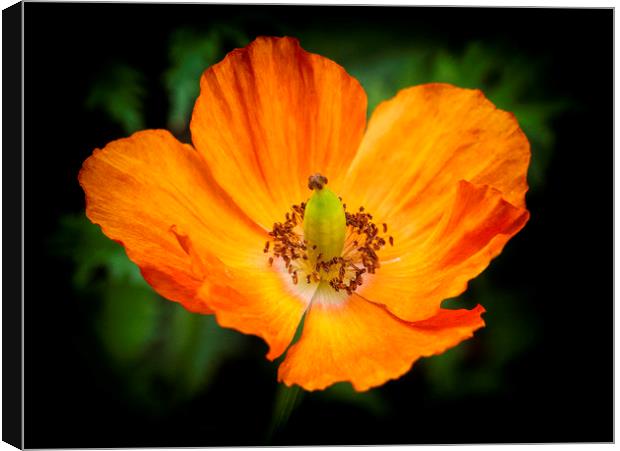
320	242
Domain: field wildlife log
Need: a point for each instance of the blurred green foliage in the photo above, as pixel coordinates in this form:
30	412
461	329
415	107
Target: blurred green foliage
119	93
507	79
343	392
191	52
285	401
161	353
508	334
150	341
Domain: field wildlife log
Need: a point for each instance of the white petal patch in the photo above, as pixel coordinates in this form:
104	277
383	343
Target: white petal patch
326	296
302	289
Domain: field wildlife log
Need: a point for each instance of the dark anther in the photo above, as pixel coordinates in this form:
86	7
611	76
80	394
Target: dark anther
346	271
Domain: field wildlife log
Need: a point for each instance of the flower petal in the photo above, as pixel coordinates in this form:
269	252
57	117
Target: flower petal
471	232
271	114
257	300
154	195
421	143
364	344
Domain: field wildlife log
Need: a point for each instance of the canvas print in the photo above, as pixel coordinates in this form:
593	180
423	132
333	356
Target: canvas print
316	225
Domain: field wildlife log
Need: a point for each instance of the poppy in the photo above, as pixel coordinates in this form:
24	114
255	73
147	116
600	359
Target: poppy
289	207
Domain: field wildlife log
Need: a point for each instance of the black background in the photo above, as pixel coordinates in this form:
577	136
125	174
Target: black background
562	391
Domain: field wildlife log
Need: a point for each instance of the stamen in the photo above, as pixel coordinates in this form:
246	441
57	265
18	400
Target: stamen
311	255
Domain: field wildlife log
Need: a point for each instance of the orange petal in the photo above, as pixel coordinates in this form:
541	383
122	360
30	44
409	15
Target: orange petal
471	232
257	300
271	114
154	195
364	344
421	143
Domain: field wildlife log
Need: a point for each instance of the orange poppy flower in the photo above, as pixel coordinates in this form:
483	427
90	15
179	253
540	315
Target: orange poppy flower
400	215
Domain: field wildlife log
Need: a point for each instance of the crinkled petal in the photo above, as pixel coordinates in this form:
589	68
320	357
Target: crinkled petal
421	143
419	150
271	114
155	196
472	231
362	343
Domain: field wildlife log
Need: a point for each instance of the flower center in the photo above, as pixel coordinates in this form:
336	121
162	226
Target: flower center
321	242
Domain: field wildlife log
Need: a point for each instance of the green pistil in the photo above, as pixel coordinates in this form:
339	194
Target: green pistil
324	221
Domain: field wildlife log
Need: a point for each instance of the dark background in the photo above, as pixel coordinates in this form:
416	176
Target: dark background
559	268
